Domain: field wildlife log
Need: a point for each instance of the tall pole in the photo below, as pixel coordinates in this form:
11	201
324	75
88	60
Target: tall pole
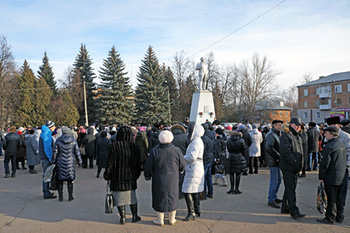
85	104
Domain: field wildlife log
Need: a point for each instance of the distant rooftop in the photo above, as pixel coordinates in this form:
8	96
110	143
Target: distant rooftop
266	105
329	79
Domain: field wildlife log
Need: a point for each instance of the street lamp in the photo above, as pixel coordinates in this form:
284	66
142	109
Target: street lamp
85	101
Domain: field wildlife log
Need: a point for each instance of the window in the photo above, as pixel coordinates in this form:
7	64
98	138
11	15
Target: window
305	104
287	113
280	114
317	103
318	115
338	101
318	91
306	92
349	100
337	88
348	87
273	114
305	114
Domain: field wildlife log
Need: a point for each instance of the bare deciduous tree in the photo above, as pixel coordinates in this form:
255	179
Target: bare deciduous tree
256	78
8	75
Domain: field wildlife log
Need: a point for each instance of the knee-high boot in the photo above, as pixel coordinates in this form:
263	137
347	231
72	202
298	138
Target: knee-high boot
135	217
60	190
191	215
121	210
232	183
70	190
196	204
238	179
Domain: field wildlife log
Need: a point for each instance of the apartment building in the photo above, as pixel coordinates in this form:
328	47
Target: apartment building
325	97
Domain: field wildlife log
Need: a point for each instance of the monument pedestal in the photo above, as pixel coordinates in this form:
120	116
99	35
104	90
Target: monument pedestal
202	107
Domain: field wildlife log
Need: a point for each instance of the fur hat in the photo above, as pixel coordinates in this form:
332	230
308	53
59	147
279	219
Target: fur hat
345	122
66	130
219	131
166	137
312	124
331	129
295	120
242	127
333	120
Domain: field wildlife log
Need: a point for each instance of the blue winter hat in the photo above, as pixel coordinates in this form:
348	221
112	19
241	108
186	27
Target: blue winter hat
50	124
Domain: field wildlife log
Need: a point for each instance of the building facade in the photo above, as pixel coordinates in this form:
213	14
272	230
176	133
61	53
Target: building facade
325	97
266	112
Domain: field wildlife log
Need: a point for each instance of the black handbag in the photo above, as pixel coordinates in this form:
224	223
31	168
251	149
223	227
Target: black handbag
321	203
54	180
109	201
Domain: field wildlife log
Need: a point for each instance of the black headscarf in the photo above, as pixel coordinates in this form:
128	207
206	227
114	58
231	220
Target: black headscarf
190	128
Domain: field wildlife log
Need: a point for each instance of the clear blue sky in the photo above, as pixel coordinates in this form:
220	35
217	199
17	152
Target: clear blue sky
298	37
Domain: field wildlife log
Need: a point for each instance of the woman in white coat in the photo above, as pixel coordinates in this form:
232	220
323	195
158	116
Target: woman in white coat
254	149
194	176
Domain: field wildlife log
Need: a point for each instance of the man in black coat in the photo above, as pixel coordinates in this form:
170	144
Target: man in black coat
291	160
346	127
12	143
272	158
332	173
153	140
314	136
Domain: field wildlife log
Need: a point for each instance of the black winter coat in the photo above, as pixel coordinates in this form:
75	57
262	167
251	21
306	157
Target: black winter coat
142	142
124	164
153	141
89	142
314	136
164	161
208	141
21	152
102	151
333	163
180	138
272	148
291	150
11	144
237	149
65	153
248	142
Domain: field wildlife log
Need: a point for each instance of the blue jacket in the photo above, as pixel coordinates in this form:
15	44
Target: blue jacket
45	143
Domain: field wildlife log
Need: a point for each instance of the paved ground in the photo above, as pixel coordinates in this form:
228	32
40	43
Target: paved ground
22	208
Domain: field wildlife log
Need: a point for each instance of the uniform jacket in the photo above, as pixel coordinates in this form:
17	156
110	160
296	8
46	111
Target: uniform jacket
291	150
333	163
194	176
65	153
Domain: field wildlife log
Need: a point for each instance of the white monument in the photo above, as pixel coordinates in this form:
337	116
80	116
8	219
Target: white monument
202	107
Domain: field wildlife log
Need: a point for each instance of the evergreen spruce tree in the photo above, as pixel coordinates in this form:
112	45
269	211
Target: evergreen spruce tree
66	113
83	64
45	71
25	108
173	97
42	102
114	101
151	94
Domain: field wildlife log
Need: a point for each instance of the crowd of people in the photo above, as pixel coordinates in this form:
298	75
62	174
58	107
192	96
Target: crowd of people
195	153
